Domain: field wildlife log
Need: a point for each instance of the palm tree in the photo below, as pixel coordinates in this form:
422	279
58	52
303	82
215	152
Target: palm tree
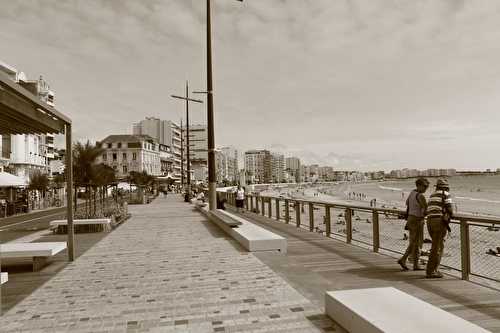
84	161
104	175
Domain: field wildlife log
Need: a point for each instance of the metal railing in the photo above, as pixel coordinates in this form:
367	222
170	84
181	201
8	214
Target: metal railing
466	248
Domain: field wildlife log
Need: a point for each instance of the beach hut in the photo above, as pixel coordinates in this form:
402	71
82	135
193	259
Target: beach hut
21	112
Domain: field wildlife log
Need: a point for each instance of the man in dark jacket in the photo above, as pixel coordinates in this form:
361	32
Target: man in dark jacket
439	212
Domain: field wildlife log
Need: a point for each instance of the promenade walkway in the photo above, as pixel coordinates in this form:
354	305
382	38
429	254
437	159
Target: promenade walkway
315	263
166	269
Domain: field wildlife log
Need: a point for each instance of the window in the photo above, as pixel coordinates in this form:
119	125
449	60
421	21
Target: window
104	157
134	156
110	145
124	169
114	156
119	144
124	156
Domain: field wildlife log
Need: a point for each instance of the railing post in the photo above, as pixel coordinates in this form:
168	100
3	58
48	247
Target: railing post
465	249
257	199
277	209
263	206
348	225
376	231
270	208
246	203
311	216
297	214
327	221
251	203
287	211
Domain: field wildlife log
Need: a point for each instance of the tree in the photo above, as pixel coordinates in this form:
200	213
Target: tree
103	176
142	180
84	161
39	182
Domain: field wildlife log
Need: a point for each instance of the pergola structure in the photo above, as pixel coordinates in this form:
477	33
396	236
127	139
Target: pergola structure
23	113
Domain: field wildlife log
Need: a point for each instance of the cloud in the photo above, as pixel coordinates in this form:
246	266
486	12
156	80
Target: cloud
348	77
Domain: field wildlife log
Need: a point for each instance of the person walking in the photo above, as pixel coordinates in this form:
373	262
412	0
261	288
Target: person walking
439	213
417	206
240	199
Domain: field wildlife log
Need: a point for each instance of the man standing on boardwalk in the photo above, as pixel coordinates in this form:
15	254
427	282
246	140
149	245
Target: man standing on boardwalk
417	207
439	212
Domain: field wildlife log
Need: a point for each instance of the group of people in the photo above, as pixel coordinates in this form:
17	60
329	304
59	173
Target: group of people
438	210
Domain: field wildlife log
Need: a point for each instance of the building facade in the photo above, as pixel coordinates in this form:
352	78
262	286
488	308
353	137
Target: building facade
277	168
126	153
258	166
165	132
293	167
23	155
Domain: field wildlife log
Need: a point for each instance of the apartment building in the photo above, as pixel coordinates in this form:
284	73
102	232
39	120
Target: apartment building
24	155
165	132
126	152
258	166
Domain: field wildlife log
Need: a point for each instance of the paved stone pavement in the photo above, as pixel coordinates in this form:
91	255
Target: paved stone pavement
166	269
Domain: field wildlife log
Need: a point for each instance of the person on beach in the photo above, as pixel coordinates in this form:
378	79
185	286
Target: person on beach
417	207
439	213
240	199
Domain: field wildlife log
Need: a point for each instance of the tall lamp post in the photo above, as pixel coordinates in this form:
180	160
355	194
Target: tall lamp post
187	99
212	181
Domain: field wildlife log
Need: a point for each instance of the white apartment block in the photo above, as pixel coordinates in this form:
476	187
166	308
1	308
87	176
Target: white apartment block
26	154
125	153
165	132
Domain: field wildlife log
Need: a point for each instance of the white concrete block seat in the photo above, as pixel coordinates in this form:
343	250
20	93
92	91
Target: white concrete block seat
392	311
38	251
251	236
81	225
4	277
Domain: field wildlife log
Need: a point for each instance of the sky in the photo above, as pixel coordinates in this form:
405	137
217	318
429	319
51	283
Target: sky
367	85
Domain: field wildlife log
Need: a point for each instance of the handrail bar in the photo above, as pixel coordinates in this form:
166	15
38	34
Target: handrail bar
455	217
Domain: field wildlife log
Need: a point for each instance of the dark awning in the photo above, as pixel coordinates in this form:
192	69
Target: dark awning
23	113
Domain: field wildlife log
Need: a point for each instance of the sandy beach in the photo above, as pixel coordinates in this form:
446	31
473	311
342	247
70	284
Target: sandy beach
392	234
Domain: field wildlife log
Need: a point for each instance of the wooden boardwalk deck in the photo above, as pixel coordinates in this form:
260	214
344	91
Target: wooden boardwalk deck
315	264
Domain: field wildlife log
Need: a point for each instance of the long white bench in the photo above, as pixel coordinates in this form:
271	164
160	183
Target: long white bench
4	277
392	311
250	236
38	251
91	225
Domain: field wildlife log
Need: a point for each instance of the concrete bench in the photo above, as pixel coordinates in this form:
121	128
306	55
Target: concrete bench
391	310
250	236
4	277
38	251
83	225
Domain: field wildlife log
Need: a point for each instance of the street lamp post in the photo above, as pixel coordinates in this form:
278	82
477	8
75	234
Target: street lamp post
212	181
187	99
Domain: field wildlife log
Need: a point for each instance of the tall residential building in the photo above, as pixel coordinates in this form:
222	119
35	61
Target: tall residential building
125	153
258	166
231	171
26	154
277	168
165	132
292	166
